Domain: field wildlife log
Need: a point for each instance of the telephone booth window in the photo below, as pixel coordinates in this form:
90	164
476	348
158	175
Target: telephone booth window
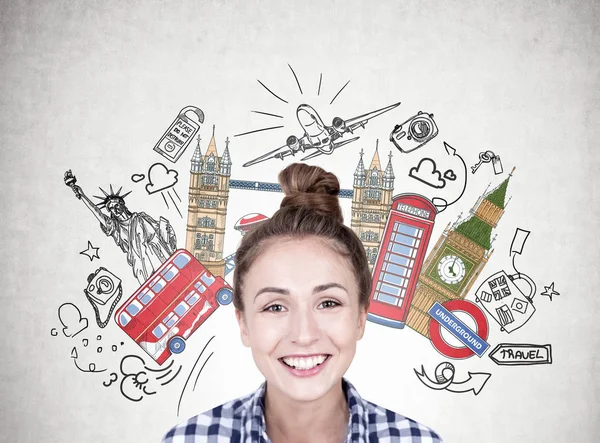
398	263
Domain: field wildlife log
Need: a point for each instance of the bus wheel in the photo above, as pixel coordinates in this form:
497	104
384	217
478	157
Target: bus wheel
176	345
224	296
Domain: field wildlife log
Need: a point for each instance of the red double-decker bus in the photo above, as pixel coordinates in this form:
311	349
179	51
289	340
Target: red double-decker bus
166	310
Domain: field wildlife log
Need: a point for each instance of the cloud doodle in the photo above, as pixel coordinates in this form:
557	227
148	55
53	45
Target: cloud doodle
71	319
160	178
427	173
139	380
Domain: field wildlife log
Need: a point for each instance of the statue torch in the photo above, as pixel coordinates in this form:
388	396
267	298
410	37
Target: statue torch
71	182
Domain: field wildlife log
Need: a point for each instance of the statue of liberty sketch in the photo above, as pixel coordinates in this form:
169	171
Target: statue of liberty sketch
147	242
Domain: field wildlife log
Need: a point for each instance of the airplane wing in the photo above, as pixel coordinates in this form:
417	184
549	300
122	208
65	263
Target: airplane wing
335	146
282	152
361	120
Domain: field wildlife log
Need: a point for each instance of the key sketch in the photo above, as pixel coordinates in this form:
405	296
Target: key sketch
486	157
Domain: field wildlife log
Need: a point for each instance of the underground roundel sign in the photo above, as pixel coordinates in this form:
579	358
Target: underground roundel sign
442	317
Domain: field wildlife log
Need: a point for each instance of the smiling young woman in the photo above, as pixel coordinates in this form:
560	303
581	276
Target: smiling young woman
301	293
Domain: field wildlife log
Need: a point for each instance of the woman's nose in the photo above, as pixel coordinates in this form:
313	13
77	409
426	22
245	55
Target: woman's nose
304	327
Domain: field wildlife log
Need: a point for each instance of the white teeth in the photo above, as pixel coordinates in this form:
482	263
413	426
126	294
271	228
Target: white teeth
305	363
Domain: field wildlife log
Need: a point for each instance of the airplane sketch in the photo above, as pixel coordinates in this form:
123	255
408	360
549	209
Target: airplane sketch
319	136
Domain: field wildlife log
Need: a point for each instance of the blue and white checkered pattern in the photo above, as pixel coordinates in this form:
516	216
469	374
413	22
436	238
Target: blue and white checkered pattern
243	421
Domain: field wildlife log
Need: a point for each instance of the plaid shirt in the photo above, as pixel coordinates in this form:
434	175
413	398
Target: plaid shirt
243	421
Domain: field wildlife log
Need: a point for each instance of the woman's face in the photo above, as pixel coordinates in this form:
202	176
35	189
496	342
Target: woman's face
301	317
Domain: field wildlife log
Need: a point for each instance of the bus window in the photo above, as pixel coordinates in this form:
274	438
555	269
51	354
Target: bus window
169	272
207	279
181	260
124	319
157	284
200	287
170	319
159	331
145	296
133	308
181	308
192	298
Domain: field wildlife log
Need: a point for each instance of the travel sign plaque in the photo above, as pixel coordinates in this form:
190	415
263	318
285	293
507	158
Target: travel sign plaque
517	354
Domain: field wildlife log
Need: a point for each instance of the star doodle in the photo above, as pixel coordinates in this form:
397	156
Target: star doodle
91	252
551	289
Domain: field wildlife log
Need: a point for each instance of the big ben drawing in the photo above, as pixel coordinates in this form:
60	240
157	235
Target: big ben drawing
458	258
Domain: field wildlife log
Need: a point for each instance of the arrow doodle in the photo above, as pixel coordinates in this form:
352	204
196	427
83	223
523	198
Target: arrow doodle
444	379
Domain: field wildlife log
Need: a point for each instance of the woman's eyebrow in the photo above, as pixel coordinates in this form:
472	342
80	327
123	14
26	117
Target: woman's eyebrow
272	289
327	286
316	289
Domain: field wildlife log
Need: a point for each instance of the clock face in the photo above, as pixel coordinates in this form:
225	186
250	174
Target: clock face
451	269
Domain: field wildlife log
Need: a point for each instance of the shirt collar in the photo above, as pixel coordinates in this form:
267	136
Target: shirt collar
357	423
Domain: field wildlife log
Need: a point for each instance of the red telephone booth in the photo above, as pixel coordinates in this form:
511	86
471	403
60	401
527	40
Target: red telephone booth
401	254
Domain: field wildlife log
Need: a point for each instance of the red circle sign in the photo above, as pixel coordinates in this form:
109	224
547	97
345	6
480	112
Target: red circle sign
435	329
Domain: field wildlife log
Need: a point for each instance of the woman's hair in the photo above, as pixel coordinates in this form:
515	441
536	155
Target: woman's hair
310	208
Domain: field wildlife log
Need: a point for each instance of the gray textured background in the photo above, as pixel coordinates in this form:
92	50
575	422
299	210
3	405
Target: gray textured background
90	86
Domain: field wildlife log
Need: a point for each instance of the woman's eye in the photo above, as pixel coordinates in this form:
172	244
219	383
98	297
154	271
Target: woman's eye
274	308
330	304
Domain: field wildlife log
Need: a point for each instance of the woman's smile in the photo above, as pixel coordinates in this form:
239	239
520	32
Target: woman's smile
305	366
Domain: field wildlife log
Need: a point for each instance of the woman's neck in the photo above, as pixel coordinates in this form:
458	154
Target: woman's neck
324	420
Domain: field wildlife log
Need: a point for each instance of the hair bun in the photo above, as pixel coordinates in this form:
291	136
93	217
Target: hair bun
311	187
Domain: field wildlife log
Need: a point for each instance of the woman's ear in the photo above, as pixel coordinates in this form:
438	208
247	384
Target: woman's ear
362	321
239	315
